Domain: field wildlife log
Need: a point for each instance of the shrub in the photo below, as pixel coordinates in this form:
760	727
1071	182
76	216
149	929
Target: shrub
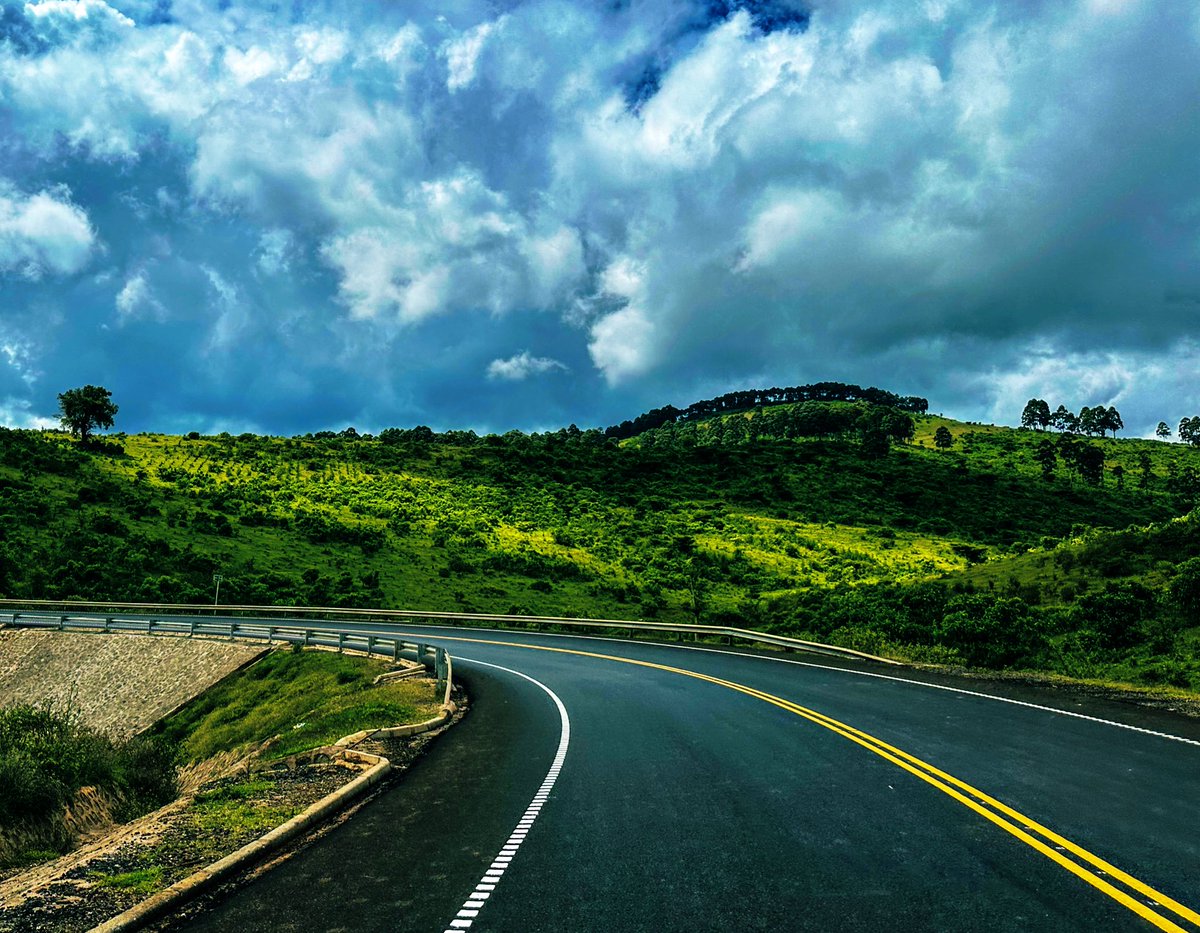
47	754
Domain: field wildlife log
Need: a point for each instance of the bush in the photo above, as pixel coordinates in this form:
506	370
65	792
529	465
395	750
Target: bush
47	754
1118	614
992	632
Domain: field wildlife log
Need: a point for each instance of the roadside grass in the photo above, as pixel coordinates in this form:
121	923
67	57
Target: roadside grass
238	809
140	881
309	698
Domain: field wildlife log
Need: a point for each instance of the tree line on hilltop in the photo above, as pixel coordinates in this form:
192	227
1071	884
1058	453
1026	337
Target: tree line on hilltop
750	399
1096	421
1092	421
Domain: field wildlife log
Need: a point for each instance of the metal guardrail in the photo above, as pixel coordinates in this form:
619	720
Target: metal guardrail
392	615
432	656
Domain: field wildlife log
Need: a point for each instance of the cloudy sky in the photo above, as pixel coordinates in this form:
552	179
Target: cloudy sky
286	217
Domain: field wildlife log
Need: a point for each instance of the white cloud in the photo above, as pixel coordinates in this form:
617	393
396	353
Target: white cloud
18	354
65	19
462	54
522	366
136	300
232	315
623	344
453	243
274	251
808	198
19	413
43	232
251	64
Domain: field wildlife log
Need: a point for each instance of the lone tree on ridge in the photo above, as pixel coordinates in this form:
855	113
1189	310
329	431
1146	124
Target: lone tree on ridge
81	410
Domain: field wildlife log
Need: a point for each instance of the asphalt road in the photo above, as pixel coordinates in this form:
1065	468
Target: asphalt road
726	791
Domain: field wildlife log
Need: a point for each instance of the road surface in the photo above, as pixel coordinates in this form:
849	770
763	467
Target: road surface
618	786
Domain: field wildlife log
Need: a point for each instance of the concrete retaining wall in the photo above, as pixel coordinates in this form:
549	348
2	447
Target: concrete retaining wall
120	685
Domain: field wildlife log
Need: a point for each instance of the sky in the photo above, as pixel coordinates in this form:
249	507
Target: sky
290	217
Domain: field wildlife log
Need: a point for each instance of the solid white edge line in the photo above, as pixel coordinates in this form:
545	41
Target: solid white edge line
840	670
491	876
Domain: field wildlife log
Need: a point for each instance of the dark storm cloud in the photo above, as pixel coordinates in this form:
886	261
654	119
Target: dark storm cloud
532	213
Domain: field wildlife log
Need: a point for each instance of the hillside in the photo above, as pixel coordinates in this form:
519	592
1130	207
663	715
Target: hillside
782	515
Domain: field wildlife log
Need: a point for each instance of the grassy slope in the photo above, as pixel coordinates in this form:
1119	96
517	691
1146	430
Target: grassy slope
309	698
667	525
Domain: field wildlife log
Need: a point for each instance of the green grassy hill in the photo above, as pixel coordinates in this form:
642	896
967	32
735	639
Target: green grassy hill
782	516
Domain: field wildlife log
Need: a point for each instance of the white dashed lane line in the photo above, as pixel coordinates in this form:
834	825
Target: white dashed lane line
487	884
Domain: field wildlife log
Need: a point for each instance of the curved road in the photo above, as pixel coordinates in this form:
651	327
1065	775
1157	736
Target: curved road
617	786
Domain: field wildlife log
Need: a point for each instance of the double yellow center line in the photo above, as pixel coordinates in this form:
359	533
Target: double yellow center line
1148	903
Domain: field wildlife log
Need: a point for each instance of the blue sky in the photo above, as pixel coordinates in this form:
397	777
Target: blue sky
291	217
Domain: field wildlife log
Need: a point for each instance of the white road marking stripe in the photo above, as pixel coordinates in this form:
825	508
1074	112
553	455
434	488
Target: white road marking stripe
493	874
841	670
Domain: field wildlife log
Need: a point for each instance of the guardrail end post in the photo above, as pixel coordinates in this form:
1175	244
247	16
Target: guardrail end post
439	667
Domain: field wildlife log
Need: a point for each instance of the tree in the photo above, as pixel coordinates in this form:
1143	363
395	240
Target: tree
81	410
1111	421
1144	466
1091	464
1184	590
1118	473
1092	420
1062	418
1046	456
1162	431
1036	414
1189	431
942	438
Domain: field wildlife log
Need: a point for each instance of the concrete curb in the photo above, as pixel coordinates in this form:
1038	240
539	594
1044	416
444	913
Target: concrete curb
155	906
399	732
152	908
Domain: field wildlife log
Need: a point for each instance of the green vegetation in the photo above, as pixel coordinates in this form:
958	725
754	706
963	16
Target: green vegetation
82	410
47	755
308	698
141	881
240	809
818	511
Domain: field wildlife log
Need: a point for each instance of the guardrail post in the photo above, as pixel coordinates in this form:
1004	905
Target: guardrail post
307	633
341	640
191	628
370	644
421	649
108	623
395	649
231	627
149	626
62	623
439	667
270	634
